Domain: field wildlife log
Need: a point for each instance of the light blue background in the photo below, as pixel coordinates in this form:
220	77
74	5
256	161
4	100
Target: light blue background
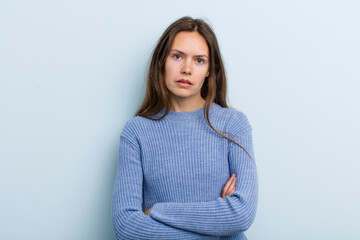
72	72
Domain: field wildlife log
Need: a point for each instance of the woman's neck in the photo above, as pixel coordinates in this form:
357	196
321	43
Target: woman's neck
187	105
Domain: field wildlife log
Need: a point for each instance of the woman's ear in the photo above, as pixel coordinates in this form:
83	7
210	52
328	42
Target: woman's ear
207	74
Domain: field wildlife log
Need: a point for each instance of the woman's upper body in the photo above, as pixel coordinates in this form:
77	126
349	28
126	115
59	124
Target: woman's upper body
173	161
179	165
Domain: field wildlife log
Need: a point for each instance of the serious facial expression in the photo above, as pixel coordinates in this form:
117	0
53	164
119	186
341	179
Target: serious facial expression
187	65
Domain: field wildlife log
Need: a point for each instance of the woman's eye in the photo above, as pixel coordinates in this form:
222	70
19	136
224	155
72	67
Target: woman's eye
199	60
176	56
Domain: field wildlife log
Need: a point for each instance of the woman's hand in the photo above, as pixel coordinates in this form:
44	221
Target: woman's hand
147	212
229	186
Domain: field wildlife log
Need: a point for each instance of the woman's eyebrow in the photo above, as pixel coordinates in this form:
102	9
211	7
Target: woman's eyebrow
203	55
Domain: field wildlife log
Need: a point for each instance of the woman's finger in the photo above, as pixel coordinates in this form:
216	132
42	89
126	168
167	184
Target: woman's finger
225	189
227	185
147	212
231	189
228	188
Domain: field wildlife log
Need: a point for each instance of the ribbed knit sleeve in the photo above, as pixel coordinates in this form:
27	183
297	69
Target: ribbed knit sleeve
223	216
129	220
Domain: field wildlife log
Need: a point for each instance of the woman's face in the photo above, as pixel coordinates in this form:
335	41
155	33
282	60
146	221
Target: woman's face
188	61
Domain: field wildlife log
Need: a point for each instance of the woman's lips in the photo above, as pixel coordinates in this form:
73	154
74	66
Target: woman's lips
183	84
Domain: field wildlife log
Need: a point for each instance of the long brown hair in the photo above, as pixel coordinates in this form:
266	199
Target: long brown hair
214	87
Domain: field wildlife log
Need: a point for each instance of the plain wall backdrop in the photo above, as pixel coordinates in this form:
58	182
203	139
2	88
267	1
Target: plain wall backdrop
72	72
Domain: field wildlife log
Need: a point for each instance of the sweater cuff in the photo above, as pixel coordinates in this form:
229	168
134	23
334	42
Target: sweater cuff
156	211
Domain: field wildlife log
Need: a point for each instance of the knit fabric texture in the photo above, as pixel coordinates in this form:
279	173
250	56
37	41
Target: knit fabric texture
179	166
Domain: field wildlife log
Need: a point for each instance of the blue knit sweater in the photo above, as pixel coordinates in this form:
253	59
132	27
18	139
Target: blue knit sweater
179	165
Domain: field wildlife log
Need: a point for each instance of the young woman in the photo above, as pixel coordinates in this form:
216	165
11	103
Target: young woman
179	176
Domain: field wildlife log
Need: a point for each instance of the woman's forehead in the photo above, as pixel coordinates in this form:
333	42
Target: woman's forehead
190	43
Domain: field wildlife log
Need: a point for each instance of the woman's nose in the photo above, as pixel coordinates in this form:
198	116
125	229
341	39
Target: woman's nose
186	69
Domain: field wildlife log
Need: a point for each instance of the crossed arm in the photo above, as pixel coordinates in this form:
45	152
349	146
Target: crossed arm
223	216
228	189
129	221
226	215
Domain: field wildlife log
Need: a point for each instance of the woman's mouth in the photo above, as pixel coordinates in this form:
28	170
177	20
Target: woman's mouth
184	83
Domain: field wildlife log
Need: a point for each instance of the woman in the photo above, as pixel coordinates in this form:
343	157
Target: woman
178	177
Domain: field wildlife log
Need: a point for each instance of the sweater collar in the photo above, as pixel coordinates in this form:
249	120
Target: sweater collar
196	114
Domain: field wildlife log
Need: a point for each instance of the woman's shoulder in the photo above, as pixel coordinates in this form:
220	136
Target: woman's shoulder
137	126
236	119
131	126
